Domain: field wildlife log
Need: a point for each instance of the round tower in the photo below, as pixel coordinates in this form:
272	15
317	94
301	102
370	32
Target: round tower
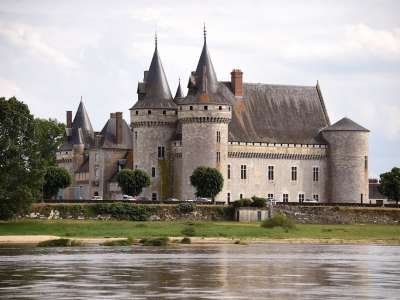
347	162
203	115
153	122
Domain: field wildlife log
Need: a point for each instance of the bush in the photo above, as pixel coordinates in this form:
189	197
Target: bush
162	241
129	241
186	207
242	203
189	231
278	220
127	211
258	202
186	240
60	243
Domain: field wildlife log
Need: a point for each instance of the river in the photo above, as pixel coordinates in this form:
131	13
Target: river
257	271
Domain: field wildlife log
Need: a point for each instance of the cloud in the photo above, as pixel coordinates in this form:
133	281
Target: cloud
8	88
28	38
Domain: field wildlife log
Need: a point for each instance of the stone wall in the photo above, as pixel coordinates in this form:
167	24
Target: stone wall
339	214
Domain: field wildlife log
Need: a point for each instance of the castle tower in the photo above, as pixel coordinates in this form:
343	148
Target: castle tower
348	161
153	122
203	117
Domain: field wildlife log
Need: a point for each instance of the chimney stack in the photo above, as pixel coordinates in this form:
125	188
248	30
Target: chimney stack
237	82
69	119
118	126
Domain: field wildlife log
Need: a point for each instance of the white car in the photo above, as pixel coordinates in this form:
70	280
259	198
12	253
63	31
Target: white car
97	198
308	200
127	197
203	200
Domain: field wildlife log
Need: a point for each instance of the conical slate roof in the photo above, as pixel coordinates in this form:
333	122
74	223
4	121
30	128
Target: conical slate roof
345	124
206	79
157	91
179	92
82	120
108	139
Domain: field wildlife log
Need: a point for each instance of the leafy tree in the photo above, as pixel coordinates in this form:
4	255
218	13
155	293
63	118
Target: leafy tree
48	137
390	184
21	175
132	182
55	178
207	181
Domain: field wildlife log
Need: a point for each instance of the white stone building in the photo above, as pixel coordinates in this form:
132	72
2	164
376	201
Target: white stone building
267	140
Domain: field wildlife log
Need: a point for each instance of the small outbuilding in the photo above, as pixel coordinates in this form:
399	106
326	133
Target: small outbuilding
252	214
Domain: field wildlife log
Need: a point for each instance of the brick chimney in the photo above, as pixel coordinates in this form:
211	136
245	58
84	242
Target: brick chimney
237	82
69	119
118	126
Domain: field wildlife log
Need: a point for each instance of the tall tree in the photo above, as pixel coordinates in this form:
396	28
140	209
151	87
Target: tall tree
390	184
21	173
55	178
132	182
48	137
207	181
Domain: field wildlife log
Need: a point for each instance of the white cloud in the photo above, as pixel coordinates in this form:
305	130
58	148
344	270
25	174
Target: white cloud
26	37
8	88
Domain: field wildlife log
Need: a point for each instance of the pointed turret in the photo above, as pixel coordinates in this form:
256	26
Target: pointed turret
154	91
205	77
179	92
82	120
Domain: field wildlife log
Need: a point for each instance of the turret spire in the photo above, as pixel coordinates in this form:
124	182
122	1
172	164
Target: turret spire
179	93
205	32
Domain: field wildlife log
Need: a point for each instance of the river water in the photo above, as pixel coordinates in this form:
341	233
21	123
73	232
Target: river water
258	271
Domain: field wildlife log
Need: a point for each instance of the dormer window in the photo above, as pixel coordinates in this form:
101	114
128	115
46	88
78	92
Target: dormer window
149	112
191	107
220	108
137	112
205	107
164	112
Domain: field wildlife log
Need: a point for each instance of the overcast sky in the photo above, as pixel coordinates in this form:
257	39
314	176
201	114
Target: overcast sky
54	52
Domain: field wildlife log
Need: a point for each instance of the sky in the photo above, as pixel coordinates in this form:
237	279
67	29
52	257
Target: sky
52	53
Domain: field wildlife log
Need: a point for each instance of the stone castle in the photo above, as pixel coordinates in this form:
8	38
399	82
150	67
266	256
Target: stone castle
267	140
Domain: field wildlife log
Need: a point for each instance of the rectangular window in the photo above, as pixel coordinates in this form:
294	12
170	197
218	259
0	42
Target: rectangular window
243	172
241	196
229	171
315	174
285	198
228	197
161	152
294	173
154	196
218	156
270	173
315	197
366	162
259	215
135	135
218	136
205	107
153	172
301	198
270	196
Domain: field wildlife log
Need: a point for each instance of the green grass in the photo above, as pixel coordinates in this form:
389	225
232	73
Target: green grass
75	228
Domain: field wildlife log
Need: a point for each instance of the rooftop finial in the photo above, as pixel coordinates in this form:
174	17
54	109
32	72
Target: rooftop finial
155	39
81	98
205	32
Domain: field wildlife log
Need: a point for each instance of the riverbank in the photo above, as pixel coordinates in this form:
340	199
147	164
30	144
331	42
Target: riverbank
34	231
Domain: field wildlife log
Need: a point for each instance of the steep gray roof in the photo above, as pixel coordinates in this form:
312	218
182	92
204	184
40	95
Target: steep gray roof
345	124
108	139
81	131
157	93
179	92
278	114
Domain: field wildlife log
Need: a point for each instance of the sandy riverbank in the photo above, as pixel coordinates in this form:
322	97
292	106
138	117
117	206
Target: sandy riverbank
35	239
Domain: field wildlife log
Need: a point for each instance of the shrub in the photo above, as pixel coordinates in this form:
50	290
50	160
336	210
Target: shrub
129	241
188	231
162	241
278	220
60	243
258	202
242	203
186	207
127	211
186	240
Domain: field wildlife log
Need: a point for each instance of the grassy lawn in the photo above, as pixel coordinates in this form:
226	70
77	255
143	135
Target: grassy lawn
75	228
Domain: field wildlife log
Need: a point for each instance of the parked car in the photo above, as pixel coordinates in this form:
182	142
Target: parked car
172	200
127	197
189	200
203	200
142	198
308	200
271	201
97	198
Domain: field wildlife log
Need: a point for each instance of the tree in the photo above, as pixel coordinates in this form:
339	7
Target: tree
21	175
55	178
48	137
390	184
132	182
207	181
